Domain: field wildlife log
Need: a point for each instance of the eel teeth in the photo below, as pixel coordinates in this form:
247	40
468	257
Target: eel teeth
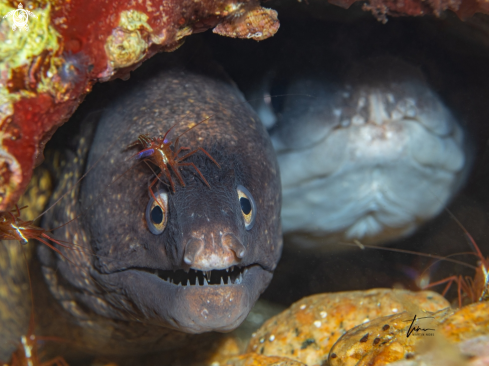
192	277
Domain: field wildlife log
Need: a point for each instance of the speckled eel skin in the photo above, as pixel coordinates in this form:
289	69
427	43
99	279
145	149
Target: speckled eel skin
125	290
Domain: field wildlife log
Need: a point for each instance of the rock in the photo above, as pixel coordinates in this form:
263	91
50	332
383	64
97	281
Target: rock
384	340
430	340
474	352
466	323
253	359
309	328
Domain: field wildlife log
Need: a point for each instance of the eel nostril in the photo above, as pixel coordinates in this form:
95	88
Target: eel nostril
194	245
233	243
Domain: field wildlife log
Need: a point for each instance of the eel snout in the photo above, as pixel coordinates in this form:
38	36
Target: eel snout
214	251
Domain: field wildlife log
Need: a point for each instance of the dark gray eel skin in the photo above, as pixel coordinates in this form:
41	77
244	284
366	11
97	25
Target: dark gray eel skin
111	295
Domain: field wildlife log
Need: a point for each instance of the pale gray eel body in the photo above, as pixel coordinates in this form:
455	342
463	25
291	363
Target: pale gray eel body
369	155
137	292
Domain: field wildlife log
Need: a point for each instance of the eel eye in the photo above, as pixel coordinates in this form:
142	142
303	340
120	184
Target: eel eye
157	212
248	207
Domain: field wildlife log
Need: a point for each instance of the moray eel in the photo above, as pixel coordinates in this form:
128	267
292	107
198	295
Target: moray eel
368	155
140	284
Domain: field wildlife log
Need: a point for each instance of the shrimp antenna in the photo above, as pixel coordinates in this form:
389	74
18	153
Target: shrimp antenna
280	96
31	321
157	176
405	251
94	201
85	174
204	120
167	132
472	243
78	247
30	330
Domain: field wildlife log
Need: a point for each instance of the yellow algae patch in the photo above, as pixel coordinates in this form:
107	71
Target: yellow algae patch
127	44
20	47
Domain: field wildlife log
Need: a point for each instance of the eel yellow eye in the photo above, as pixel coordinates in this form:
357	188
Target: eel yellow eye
157	212
248	207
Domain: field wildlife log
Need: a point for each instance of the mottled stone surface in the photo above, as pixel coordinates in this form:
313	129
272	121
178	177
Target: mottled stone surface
384	340
430	340
253	359
474	352
309	328
466	323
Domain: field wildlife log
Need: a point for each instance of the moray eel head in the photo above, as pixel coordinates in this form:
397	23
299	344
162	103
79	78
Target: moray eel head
205	270
197	259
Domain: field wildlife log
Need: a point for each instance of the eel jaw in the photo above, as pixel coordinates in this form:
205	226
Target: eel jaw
195	307
195	277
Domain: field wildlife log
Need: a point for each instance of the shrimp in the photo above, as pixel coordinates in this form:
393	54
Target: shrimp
12	227
163	153
470	289
476	288
27	352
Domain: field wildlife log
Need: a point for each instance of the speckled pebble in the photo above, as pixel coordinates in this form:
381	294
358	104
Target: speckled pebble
468	322
468	327
298	336
474	352
253	359
393	345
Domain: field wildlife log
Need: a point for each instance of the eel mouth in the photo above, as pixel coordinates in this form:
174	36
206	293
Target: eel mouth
194	301
193	277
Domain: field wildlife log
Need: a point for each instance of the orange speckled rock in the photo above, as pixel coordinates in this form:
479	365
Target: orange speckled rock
473	352
466	323
253	359
309	328
46	71
385	340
